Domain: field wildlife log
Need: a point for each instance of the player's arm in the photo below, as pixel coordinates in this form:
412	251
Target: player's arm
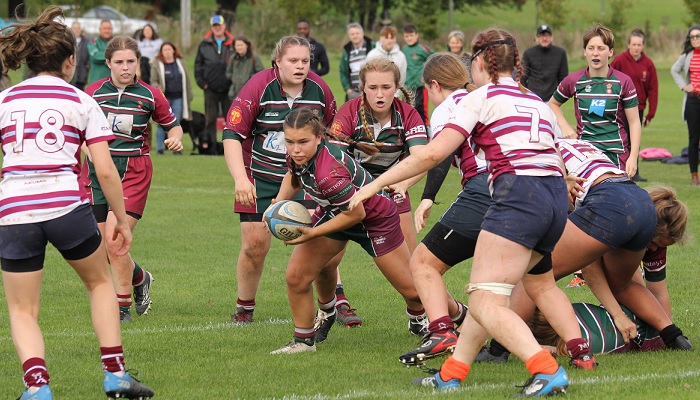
566	130
595	279
111	185
287	191
243	187
660	291
635	135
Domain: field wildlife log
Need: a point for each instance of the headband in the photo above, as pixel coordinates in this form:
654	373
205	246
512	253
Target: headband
489	44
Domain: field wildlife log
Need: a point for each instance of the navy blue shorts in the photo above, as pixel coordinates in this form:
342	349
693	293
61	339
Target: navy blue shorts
66	233
448	245
618	214
466	213
529	210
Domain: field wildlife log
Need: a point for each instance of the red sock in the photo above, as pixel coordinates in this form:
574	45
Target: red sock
414	314
542	362
138	279
441	325
35	373
454	369
112	359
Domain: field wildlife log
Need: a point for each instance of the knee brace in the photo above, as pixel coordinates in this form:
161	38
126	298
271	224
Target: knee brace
503	289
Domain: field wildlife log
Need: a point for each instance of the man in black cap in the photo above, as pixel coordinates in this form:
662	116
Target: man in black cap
545	65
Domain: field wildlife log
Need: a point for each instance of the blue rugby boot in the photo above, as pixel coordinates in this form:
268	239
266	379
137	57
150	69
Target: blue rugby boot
125	387
44	393
435	382
546	384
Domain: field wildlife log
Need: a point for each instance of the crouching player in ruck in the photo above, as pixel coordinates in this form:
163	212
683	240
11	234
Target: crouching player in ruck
331	176
615	227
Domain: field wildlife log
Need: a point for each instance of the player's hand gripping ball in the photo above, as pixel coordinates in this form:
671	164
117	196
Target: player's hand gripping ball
283	218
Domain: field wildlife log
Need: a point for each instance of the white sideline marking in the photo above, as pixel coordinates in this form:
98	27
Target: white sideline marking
164	329
486	387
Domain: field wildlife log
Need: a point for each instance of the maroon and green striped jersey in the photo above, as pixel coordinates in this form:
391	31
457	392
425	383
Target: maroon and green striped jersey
600	105
405	129
129	111
256	119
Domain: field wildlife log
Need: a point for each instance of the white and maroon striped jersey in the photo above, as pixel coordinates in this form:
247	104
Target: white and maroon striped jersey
584	160
515	130
468	163
43	122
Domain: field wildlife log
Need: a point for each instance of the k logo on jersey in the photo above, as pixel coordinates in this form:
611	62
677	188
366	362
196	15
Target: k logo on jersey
597	107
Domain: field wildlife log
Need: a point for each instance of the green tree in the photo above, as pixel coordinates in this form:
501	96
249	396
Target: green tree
694	8
616	18
554	13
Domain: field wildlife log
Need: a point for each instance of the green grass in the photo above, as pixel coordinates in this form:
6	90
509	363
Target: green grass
186	347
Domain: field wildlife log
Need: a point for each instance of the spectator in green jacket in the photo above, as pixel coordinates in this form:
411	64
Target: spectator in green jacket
96	50
242	65
416	53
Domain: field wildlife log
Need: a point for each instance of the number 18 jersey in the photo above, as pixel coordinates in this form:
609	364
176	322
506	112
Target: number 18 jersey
43	122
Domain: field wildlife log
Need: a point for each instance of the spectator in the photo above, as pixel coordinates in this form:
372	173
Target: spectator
641	69
387	47
82	58
96	51
416	53
169	74
244	63
149	45
545	65
354	55
213	55
689	64
319	58
455	44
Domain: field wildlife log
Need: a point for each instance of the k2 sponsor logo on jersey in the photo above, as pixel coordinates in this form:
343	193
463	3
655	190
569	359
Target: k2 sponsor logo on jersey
597	107
274	142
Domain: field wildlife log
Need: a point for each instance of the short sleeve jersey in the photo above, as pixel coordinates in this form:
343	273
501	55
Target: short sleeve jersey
515	130
129	111
600	105
584	160
43	123
469	164
332	177
654	262
598	328
256	119
406	129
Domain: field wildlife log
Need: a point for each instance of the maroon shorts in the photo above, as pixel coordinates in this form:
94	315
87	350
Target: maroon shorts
135	173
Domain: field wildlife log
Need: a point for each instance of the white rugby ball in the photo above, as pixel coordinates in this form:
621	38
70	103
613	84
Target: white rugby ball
283	218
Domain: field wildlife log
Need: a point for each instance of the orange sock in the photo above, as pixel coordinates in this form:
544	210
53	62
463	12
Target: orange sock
542	362
454	369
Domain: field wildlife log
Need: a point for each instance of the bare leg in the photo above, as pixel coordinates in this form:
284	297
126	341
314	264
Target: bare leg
427	271
122	266
305	265
409	231
394	266
22	291
255	243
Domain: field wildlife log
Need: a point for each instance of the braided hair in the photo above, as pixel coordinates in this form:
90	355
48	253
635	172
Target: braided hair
500	53
379	64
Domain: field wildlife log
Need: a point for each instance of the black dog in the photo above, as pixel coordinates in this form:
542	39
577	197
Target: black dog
195	128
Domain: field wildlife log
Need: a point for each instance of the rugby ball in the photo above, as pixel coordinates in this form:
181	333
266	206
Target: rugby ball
283	218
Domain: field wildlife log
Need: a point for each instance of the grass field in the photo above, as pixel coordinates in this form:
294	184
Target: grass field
186	348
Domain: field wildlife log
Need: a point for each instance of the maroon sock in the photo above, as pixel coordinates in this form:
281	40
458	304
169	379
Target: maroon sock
124	300
112	359
414	314
441	325
138	279
35	373
247	305
577	347
341	299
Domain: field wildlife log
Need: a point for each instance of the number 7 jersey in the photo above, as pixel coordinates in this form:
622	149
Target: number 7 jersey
43	122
